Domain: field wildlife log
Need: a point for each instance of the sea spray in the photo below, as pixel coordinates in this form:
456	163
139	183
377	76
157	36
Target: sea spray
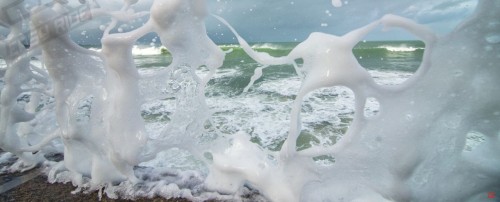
75	83
191	49
123	125
353	162
114	100
327	61
17	74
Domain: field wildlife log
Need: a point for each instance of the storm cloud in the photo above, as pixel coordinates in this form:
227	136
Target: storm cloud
294	20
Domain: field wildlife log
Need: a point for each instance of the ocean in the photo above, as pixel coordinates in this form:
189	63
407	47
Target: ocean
264	111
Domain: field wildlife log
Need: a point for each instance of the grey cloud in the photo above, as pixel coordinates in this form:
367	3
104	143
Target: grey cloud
441	11
282	20
289	20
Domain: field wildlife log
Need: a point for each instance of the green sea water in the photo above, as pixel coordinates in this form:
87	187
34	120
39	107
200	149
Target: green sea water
325	112
398	56
382	55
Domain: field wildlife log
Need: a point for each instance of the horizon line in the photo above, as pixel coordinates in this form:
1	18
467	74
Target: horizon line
235	43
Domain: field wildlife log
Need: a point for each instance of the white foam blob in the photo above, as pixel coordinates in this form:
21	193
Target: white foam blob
337	3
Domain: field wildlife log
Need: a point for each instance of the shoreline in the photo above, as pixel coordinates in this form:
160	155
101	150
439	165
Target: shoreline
39	189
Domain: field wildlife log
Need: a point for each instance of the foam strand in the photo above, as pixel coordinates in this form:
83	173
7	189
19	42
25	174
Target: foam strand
114	95
123	124
18	73
75	83
344	69
257	74
430	147
381	93
190	50
406	167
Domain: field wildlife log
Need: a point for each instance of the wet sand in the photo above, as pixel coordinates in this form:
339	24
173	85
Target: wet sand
31	185
38	189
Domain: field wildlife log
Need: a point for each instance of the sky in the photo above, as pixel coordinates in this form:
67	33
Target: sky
294	20
290	20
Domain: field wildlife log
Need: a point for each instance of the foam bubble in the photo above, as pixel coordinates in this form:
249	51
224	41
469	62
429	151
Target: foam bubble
337	3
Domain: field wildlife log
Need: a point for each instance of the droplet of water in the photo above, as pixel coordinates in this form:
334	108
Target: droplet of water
493	38
337	3
174	85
